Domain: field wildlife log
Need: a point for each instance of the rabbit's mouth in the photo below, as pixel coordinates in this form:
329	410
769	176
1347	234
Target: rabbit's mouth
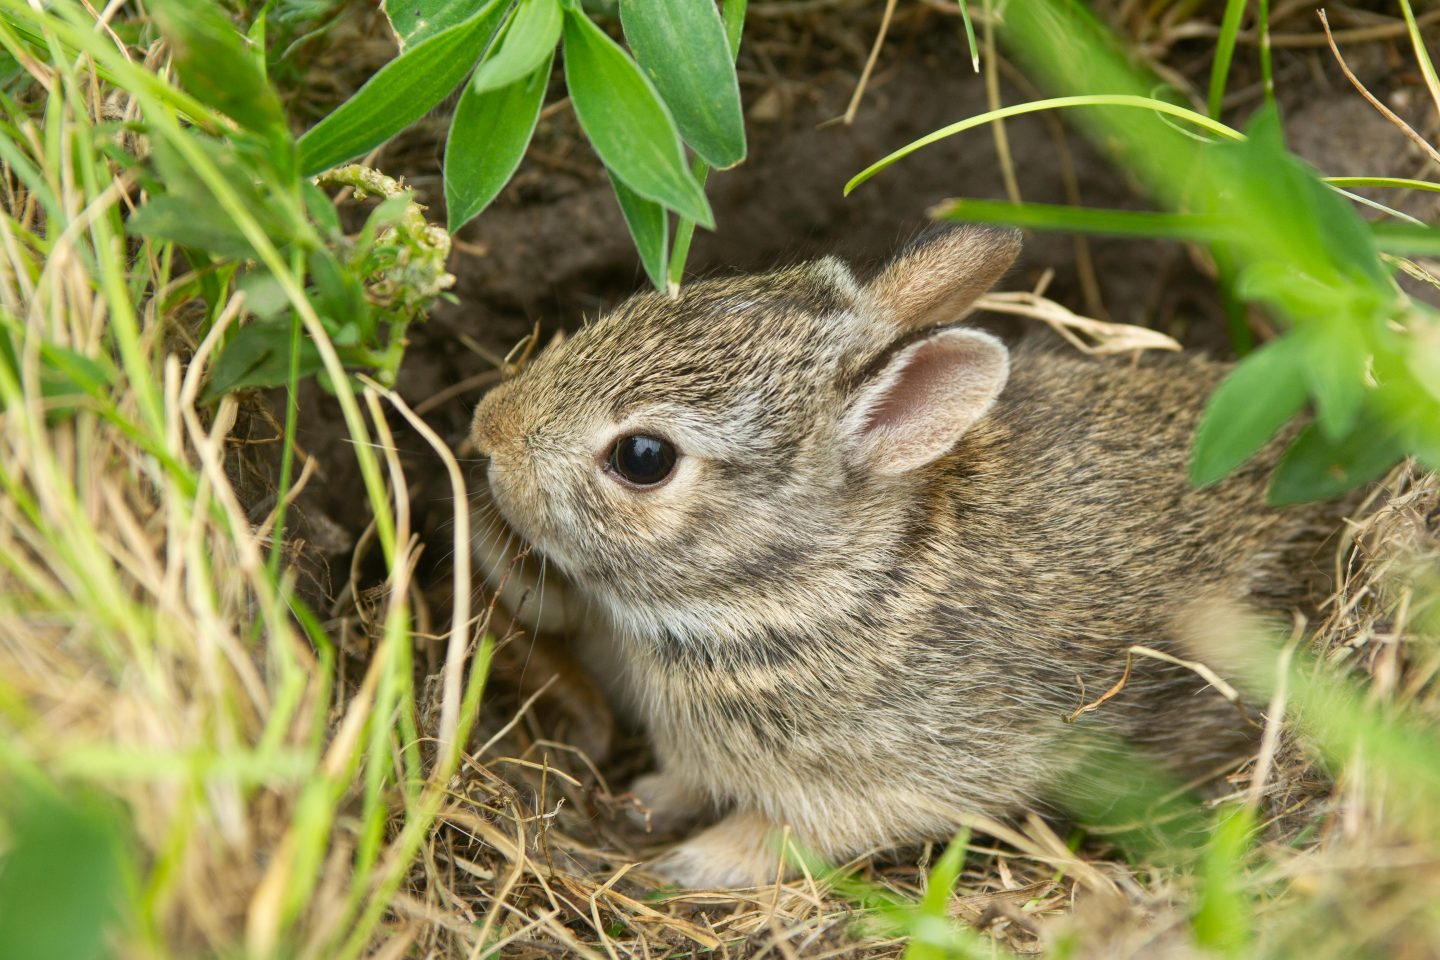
527	517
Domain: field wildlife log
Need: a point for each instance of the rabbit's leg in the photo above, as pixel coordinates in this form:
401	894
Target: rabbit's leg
665	804
742	850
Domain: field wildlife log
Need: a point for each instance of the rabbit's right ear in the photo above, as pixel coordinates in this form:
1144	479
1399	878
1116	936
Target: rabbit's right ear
937	279
922	399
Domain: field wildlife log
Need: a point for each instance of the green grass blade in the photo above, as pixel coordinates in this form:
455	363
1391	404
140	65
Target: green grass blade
1427	67
1035	106
1224	52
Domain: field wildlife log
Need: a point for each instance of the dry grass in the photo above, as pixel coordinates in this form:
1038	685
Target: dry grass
289	781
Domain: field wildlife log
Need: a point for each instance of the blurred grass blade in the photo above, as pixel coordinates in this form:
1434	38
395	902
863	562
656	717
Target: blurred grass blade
488	136
626	122
1199	228
1223	920
650	227
402	92
1251	404
215	66
528	41
1035	106
1422	55
1405	239
414	21
681	46
1224	51
1397	183
63	876
969	34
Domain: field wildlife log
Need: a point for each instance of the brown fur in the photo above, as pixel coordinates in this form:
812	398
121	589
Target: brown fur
861	656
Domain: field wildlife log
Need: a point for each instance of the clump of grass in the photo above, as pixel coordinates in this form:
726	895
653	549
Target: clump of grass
151	652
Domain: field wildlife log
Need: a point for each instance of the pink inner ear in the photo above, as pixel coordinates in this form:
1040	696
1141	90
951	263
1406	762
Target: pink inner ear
919	385
929	395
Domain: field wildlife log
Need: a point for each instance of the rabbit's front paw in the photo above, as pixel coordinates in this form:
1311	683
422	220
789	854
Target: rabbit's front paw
739	851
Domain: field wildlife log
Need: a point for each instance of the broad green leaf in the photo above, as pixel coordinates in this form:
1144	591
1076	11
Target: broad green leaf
1254	401
216	68
179	220
650	227
63	878
258	356
414	21
681	46
627	124
488	135
1336	356
1316	467
529	40
402	92
186	212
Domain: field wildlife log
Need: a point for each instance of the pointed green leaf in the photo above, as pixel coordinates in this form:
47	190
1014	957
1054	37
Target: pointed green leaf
650	227
217	68
528	41
681	46
415	21
1336	356
402	92
488	136
1254	401
258	355
1316	467
626	122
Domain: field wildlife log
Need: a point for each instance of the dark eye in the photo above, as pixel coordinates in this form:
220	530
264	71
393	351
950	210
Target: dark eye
643	461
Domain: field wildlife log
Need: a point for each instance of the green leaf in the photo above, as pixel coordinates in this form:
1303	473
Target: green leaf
214	65
681	46
63	878
258	356
402	92
529	40
1254	401
1316	467
186	212
650	227
414	21
179	220
627	124
488	136
1224	916
1336	356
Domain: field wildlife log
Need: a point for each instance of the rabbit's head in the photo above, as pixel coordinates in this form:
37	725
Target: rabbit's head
688	455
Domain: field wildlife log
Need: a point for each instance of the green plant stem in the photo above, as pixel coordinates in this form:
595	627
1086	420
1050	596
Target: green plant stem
733	16
287	442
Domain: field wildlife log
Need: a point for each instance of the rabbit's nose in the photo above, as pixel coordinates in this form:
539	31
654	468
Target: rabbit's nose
495	426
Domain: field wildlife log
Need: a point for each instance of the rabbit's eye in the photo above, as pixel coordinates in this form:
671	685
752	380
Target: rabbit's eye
642	460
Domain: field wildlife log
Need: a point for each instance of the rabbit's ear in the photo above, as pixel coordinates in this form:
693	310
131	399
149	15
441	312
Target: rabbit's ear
923	398
937	279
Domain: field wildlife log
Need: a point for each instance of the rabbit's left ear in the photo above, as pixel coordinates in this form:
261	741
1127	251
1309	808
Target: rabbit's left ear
922	399
937	279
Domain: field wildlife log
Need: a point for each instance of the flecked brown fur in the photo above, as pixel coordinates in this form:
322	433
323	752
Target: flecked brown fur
862	656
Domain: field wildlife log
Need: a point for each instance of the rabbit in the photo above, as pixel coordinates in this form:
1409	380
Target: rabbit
857	564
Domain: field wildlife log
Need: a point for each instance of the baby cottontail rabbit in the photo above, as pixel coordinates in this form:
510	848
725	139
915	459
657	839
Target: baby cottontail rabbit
858	564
